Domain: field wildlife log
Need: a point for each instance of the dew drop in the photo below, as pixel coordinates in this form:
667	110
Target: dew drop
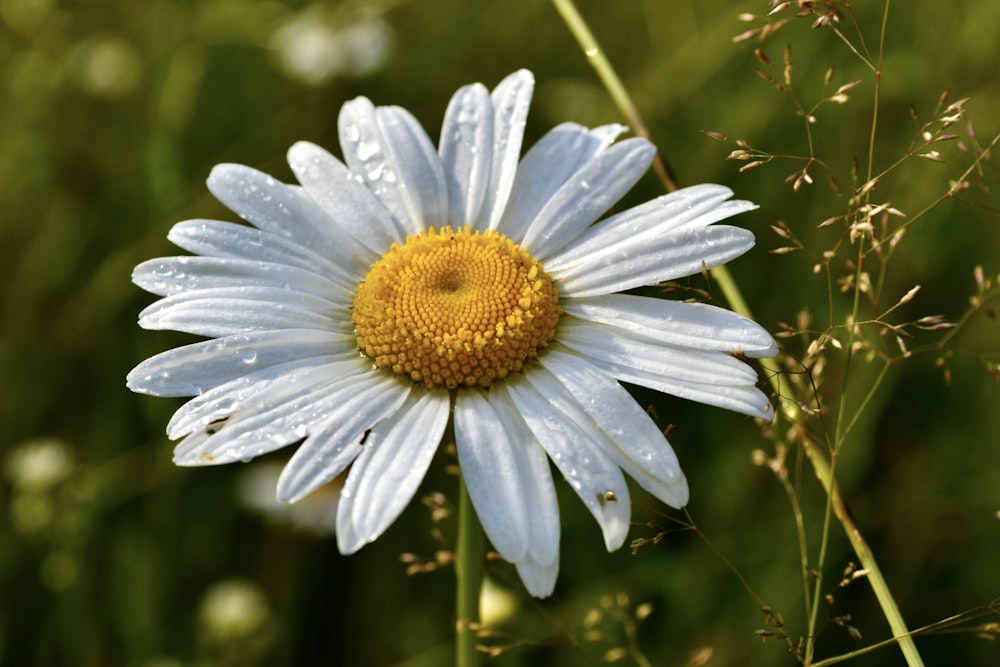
234	453
367	150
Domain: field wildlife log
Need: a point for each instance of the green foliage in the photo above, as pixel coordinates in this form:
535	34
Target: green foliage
114	113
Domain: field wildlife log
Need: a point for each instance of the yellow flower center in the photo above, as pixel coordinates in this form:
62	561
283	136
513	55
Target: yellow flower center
455	308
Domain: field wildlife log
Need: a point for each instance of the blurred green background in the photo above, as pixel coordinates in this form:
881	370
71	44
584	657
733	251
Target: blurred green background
113	113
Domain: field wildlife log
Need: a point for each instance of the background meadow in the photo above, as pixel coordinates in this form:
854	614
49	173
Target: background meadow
112	114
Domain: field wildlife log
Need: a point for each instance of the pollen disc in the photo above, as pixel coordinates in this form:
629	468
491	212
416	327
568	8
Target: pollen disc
455	308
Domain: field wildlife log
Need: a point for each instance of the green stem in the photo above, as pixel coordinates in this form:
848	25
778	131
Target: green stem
874	575
606	73
469	555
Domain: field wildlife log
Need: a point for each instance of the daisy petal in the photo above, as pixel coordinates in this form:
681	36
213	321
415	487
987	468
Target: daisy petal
547	166
281	210
621	347
511	99
417	164
633	440
466	140
191	369
393	154
277	416
366	154
587	195
539	578
746	399
169	275
233	310
219	403
535	496
214	238
648	259
689	208
537	493
698	326
590	471
343	196
492	474
392	463
710	377
265	202
335	441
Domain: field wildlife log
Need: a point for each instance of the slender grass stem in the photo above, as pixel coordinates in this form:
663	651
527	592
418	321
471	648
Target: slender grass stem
864	553
469	554
606	73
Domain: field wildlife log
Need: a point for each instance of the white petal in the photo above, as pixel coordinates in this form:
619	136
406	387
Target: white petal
213	238
698	326
620	347
634	441
232	310
392	463
417	164
169	275
218	403
689	208
650	259
537	491
343	196
492	474
283	211
266	203
743	398
587	195
335	440
511	99
590	471
538	578
285	411
393	154
365	153
192	369
707	376
466	151
547	166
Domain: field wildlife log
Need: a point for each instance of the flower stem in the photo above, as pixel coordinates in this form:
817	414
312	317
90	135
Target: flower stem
469	579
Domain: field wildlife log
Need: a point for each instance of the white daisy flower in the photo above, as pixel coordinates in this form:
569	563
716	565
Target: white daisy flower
369	305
